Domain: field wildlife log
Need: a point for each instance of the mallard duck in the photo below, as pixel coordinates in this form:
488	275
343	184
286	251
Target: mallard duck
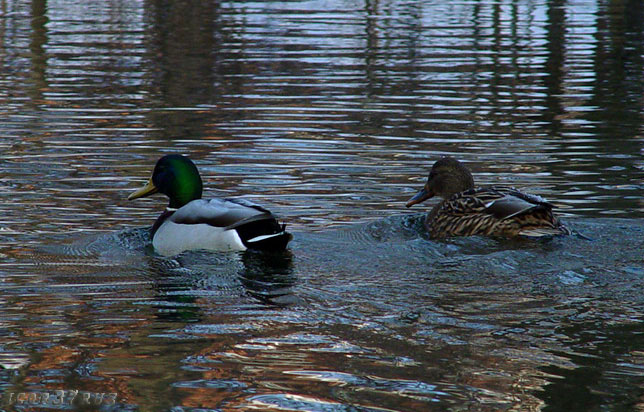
191	223
494	211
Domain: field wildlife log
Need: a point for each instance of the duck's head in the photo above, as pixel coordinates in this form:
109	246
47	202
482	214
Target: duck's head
176	177
447	177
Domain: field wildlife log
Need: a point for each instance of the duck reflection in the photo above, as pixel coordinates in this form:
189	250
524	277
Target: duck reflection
187	282
268	276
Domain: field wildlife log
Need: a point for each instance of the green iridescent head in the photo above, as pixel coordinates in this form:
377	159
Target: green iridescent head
176	177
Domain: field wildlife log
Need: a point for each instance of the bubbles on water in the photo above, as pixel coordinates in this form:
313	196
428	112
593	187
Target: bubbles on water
13	360
293	402
570	277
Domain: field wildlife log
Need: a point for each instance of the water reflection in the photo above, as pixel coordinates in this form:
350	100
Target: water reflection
326	112
540	85
613	348
337	311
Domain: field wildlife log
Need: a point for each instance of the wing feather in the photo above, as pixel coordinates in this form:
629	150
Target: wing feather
222	213
497	210
501	202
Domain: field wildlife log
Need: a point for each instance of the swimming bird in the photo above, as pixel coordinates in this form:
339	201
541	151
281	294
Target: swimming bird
191	223
493	211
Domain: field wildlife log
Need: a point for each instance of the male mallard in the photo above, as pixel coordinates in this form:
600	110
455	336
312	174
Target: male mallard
495	211
190	222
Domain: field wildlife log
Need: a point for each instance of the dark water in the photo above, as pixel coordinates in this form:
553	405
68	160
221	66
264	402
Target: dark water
330	114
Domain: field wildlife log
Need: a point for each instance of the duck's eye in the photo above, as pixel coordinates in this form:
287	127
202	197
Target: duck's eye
159	176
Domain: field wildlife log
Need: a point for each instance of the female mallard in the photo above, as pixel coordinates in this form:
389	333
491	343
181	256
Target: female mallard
190	222
495	211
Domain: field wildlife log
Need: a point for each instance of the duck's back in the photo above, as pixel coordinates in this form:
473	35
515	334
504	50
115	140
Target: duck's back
494	211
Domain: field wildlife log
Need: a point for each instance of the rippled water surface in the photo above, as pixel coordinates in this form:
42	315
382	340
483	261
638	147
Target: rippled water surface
329	113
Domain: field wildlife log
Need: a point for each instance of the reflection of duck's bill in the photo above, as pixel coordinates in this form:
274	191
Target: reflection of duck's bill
419	197
275	241
146	190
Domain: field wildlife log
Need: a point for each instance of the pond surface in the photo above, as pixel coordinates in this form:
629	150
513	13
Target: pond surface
330	114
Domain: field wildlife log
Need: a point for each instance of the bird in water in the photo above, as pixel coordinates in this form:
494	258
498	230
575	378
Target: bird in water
493	211
192	223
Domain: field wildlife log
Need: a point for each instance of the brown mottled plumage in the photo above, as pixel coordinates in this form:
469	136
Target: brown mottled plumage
493	211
